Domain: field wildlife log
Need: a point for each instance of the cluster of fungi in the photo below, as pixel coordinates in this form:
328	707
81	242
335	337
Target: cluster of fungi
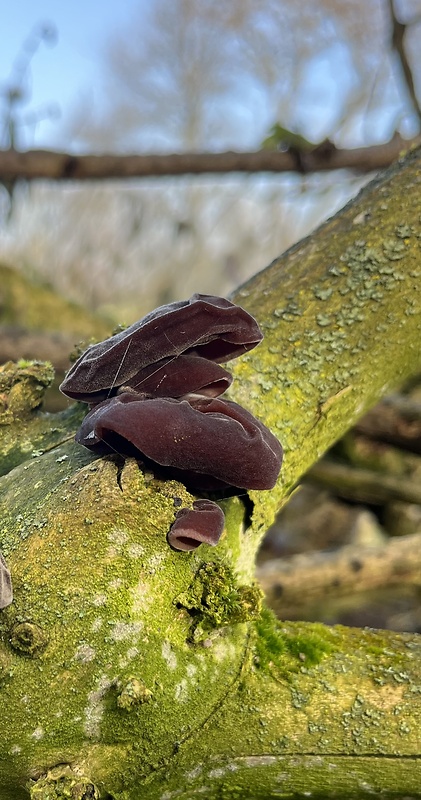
155	393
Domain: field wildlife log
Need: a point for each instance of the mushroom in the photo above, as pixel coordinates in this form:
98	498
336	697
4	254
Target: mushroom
208	442
154	392
176	377
202	524
205	326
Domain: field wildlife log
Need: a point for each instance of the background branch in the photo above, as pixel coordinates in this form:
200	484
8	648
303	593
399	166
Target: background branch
35	164
396	420
364	485
350	569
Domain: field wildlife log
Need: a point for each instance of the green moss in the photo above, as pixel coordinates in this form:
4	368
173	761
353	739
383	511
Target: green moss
22	388
103	592
5	663
81	348
132	694
27	304
270	644
215	599
61	783
285	651
33	434
308	649
28	638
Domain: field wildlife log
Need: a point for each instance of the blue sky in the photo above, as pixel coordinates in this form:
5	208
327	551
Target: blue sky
71	71
61	73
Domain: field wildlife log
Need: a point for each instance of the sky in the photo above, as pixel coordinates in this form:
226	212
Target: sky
69	69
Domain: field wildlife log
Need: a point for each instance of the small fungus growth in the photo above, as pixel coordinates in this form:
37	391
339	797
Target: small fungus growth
154	392
193	526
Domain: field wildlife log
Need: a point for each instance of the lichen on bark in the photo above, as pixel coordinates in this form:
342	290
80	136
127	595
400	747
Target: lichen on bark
342	322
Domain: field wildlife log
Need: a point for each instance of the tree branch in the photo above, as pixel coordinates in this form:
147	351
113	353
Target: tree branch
35	164
121	665
341	315
331	574
397	420
364	485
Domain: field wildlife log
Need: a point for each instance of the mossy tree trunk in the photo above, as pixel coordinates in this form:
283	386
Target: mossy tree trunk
128	670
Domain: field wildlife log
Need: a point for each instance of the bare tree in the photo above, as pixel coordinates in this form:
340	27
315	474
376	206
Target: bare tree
188	73
15	95
209	75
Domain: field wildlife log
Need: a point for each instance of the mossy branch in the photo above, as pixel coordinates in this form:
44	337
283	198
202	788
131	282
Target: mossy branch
129	670
341	313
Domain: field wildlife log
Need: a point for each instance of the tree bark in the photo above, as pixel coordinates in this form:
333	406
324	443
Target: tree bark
33	164
128	670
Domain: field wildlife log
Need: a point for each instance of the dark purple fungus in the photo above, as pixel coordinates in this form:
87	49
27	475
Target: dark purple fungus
205	438
205	326
187	374
202	524
154	394
6	592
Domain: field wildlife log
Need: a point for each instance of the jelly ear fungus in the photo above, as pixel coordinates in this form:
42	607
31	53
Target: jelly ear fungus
154	391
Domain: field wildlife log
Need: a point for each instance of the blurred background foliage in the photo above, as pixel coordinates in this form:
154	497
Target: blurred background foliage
200	75
213	75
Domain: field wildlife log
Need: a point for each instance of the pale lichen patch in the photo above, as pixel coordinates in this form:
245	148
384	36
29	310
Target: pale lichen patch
85	653
38	734
181	691
181	688
156	561
168	655
94	710
131	654
125	630
118	537
194	773
223	649
142	597
135	550
99	600
115	584
219	772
